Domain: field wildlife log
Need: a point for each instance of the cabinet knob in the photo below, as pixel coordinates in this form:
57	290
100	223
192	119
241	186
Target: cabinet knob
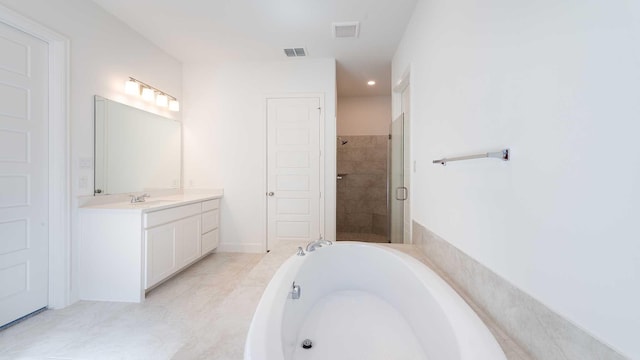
270	193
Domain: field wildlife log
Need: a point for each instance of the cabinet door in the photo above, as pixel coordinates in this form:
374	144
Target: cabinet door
160	252
188	240
210	241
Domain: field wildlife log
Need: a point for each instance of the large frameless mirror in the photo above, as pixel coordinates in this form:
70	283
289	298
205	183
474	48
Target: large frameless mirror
135	150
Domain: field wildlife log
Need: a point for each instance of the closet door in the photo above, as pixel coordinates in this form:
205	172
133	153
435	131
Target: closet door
24	174
294	197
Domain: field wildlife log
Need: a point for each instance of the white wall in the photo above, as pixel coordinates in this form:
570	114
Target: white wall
364	115
225	138
104	53
558	82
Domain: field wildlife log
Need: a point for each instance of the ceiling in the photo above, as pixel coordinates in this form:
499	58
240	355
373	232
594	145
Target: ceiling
212	31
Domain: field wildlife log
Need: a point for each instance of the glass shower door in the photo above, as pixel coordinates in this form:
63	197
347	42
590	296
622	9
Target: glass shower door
397	190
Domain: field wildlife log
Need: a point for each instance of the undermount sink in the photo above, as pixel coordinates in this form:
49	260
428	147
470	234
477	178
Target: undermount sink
154	202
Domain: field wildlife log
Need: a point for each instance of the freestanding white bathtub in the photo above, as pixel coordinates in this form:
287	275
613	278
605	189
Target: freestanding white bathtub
362	301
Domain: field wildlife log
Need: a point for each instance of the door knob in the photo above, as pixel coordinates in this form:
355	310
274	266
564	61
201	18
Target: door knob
270	193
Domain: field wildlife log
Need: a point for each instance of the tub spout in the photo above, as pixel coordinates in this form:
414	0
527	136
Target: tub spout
318	243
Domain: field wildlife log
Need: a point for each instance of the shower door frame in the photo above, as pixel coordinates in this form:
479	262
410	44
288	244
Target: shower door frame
401	103
395	217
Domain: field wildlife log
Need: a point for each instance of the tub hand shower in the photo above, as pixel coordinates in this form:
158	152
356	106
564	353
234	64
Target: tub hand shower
295	291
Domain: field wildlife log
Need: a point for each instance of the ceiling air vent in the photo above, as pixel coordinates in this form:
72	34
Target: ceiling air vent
294	52
349	29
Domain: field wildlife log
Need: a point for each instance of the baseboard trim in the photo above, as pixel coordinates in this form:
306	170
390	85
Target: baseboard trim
254	248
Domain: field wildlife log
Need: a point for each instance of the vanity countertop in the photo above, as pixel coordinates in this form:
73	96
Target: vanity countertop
155	203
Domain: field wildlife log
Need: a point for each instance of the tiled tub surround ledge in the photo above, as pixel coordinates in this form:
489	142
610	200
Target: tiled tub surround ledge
540	331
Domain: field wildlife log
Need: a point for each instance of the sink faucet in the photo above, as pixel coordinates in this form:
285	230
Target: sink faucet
138	199
318	243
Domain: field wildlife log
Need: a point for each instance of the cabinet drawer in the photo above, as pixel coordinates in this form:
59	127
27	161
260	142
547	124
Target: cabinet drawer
209	220
210	204
164	216
210	241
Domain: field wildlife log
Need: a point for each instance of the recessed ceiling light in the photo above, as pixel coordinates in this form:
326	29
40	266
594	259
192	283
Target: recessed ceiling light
371	82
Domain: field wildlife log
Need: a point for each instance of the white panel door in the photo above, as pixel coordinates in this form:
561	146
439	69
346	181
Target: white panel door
293	169
23	174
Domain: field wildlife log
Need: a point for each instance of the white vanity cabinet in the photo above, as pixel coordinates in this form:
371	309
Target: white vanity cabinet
125	250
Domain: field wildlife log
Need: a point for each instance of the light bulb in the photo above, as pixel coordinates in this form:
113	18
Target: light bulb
131	87
174	105
148	94
162	100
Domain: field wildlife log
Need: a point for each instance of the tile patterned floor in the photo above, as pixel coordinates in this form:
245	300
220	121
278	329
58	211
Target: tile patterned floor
202	313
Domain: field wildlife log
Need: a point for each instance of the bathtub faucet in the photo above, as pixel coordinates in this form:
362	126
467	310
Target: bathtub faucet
318	243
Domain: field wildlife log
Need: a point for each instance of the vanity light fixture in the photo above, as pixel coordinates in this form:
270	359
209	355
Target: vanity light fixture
162	100
371	82
150	93
174	105
131	87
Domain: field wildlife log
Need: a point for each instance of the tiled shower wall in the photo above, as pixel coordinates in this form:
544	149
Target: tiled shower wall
362	192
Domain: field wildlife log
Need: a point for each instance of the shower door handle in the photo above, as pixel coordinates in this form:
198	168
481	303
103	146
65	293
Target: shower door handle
401	193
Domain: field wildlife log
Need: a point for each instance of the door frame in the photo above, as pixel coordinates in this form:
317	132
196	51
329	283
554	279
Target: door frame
58	148
321	125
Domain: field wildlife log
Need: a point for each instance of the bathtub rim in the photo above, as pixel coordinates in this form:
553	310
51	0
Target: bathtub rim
457	310
256	337
471	334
